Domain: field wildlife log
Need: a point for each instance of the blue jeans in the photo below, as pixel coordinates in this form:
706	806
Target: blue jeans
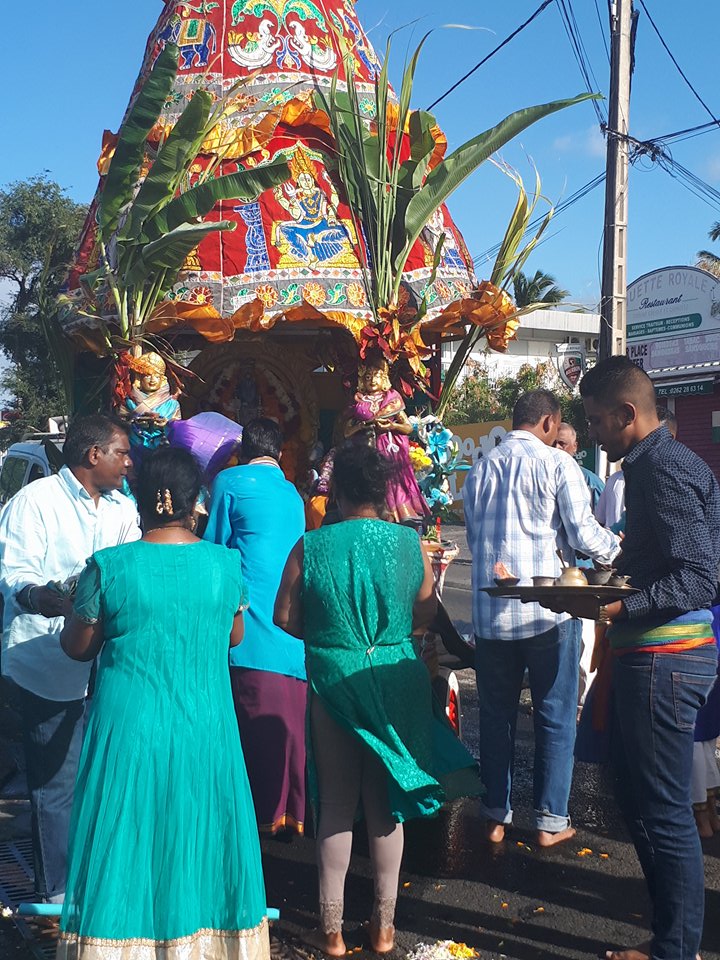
552	660
656	700
52	739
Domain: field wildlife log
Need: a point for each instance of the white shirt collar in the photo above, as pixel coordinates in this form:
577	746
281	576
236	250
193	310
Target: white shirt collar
78	491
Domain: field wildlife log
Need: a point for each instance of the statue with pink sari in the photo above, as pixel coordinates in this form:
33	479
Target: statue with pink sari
377	416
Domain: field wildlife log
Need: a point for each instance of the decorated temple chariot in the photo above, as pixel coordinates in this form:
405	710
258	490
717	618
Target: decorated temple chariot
270	236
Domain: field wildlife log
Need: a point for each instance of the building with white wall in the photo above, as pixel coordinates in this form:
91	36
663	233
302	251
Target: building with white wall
538	337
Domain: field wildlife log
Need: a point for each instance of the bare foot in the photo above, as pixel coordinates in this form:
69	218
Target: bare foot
494	831
547	839
382	939
331	944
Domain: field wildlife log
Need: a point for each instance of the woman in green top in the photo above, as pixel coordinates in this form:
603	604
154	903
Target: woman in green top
164	855
356	592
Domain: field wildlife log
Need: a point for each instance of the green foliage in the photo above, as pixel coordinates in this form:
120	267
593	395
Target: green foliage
706	259
512	255
130	149
393	200
479	399
540	289
146	234
39	227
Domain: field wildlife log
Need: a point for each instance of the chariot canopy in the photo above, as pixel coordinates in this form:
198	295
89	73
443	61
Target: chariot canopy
295	255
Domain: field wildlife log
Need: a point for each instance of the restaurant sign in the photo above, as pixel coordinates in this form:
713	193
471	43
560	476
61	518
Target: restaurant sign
673	320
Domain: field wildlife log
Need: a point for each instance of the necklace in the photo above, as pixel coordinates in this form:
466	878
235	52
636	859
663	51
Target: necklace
189	538
267	461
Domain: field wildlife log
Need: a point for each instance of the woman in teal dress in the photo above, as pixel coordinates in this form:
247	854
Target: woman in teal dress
356	592
164	859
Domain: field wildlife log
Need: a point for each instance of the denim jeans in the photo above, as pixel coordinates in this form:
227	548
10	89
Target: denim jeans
552	660
656	699
52	739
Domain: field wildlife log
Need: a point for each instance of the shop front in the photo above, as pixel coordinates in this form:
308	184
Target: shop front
673	333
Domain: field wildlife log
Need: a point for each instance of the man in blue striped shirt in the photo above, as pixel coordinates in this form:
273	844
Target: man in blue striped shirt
523	502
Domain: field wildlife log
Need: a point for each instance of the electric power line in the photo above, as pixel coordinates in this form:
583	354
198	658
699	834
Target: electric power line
543	5
583	191
602	30
578	48
689	132
677	65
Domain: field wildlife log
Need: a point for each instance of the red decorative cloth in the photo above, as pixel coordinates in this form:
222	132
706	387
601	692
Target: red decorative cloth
296	249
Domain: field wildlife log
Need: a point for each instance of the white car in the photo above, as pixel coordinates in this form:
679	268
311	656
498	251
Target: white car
24	462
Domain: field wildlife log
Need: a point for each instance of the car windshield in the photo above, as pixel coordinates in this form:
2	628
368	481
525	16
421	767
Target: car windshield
12	476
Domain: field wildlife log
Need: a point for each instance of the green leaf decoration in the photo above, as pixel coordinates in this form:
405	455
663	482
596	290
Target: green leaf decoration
128	157
169	252
451	172
161	183
196	203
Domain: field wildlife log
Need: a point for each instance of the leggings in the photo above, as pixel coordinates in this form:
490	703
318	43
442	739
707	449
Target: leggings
348	772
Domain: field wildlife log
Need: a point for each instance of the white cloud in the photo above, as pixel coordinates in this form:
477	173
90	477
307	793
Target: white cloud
588	143
712	168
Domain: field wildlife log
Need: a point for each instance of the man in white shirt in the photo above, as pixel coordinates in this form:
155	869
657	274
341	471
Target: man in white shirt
610	508
523	502
567	441
47	532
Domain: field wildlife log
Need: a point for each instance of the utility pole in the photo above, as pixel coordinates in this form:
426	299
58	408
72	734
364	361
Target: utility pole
613	295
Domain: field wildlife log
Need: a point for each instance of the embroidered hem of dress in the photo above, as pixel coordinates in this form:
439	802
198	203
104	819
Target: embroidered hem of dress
253	944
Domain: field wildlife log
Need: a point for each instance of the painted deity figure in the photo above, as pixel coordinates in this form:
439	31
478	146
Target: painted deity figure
314	234
150	404
247	402
377	416
436	227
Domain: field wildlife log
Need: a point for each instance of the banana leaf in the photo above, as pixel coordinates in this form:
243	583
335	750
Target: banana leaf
196	203
159	186
405	95
130	150
451	172
412	171
422	145
170	251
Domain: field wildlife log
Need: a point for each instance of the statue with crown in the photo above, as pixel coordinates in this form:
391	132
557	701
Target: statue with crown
271	214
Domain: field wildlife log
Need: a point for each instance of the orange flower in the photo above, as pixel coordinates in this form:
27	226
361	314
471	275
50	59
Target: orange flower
267	294
356	294
443	290
314	294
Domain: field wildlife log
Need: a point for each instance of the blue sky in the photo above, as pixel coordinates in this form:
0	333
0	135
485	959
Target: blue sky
68	70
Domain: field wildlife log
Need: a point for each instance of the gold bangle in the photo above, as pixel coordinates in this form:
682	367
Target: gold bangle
603	614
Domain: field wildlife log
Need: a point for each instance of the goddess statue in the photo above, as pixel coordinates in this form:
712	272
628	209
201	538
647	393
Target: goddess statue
377	416
150	404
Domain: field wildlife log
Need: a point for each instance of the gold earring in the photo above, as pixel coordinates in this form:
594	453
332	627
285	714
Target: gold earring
159	508
167	502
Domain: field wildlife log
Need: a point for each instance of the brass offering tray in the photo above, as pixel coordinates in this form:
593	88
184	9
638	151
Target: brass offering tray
532	594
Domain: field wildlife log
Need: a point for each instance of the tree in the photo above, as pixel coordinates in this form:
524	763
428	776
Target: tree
39	227
540	288
706	259
478	398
